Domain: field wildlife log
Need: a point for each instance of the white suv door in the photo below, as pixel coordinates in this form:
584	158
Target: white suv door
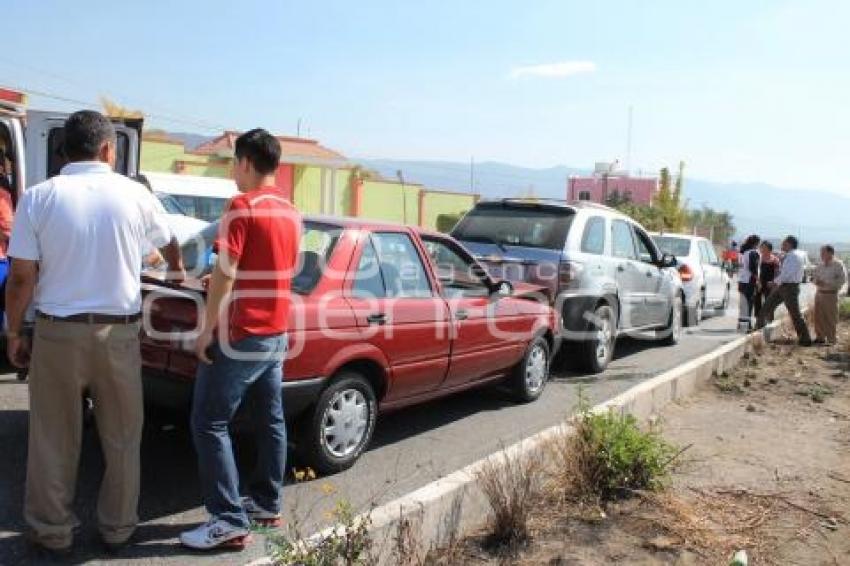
44	157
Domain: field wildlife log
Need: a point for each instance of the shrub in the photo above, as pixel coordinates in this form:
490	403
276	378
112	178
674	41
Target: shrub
349	544
609	456
445	222
509	483
844	309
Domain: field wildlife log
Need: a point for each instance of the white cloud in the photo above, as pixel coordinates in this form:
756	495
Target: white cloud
554	70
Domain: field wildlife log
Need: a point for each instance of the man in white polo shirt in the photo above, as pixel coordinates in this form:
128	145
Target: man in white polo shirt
77	244
787	291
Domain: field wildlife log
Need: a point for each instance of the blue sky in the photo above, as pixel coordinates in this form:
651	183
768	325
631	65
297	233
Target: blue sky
745	91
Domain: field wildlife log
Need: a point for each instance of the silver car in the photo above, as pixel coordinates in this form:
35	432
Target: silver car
600	269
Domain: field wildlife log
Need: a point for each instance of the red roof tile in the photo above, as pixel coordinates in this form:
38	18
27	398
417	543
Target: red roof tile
289	146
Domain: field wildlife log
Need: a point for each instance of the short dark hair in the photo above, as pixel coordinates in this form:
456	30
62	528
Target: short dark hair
260	148
85	133
751	243
792	241
829	248
768	245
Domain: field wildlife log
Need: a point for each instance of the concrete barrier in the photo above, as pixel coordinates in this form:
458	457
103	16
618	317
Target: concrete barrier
454	505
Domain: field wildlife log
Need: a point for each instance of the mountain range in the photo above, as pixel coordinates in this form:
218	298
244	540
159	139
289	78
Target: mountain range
814	216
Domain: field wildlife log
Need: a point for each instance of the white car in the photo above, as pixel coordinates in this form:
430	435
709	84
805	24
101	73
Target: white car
200	197
706	284
182	225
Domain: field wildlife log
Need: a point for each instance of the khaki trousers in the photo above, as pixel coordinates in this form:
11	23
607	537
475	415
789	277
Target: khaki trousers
826	315
69	358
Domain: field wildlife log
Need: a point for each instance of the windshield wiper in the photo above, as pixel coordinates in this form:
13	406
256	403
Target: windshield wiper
486	240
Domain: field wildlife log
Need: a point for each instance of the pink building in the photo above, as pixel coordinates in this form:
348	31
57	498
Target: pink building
605	182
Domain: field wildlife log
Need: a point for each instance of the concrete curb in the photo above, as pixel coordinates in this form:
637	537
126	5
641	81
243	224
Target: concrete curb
453	505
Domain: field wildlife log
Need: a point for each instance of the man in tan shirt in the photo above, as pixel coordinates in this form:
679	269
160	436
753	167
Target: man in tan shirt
830	277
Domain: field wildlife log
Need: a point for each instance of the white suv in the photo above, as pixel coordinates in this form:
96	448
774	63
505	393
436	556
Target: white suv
704	281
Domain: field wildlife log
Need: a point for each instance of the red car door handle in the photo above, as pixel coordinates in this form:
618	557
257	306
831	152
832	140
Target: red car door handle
461	315
377	318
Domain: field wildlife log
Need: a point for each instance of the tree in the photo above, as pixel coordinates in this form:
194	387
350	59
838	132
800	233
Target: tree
669	200
717	225
617	200
115	110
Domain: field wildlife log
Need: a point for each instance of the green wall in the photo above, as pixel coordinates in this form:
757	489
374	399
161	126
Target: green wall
385	201
307	185
308	189
444	203
206	170
343	192
160	156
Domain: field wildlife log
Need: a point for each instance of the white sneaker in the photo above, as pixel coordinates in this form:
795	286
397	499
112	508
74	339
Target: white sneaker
215	533
259	515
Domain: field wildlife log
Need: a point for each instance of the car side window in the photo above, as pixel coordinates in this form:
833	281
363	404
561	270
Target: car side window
368	280
703	252
646	251
458	273
621	240
593	239
401	266
712	255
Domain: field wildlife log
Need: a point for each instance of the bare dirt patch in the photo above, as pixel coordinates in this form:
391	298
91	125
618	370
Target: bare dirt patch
767	470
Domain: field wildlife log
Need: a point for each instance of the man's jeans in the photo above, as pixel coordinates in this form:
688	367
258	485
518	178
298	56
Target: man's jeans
220	389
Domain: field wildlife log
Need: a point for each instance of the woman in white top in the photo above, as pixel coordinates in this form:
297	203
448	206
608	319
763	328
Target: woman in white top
748	276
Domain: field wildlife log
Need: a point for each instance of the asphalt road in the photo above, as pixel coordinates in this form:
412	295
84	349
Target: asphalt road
410	449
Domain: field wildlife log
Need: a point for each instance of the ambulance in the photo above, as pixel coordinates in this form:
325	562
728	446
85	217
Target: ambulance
31	143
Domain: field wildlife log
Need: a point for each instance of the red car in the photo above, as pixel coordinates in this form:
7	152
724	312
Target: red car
383	317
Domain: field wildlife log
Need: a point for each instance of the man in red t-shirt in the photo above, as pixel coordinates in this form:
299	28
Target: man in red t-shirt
242	346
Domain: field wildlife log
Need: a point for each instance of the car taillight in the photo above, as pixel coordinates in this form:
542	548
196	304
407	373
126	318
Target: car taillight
686	273
568	271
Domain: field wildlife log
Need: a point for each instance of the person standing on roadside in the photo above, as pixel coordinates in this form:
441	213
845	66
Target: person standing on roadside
242	345
76	245
829	278
787	291
748	271
768	270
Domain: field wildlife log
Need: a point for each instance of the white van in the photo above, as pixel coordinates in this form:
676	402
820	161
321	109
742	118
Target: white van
200	197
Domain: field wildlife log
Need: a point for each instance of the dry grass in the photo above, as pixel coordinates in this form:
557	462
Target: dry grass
757	344
712	524
511	486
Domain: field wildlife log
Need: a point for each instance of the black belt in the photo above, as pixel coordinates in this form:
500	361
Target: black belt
92	318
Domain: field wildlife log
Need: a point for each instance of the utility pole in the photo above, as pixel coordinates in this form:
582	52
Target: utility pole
400	176
298	128
629	143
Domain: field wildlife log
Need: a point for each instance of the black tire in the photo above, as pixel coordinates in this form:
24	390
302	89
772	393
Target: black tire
589	355
525	386
695	314
672	334
314	447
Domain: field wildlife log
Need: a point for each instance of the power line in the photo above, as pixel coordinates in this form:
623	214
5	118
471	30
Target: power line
88	104
167	116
